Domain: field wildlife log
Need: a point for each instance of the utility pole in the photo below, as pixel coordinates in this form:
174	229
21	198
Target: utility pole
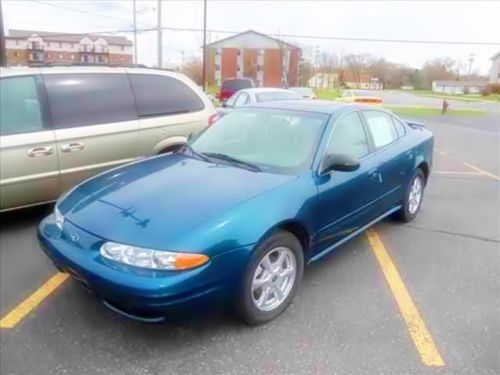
204	68
3	58
135	31
471	60
160	38
316	61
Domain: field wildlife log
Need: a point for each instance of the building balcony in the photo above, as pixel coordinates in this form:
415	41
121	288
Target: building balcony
94	50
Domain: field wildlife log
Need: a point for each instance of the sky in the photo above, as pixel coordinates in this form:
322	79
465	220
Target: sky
466	21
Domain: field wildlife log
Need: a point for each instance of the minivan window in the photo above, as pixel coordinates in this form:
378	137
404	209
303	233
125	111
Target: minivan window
20	110
89	99
381	127
158	95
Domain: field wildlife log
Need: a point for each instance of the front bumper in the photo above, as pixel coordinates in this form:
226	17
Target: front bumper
146	295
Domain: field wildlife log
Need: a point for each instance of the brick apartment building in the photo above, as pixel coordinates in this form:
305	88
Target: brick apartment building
25	47
268	61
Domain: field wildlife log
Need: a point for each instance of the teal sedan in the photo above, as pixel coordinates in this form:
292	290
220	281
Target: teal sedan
235	215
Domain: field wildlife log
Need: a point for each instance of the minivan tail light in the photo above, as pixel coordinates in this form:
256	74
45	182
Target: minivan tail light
212	118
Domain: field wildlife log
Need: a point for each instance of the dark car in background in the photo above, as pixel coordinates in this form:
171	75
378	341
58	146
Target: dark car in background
231	85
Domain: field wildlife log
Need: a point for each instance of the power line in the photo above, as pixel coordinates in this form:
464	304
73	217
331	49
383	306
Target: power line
317	37
83	11
295	36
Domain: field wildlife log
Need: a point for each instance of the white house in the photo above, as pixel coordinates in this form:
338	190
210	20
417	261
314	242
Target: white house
459	87
495	69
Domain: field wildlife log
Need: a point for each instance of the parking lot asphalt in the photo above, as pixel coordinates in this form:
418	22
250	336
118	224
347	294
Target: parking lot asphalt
348	317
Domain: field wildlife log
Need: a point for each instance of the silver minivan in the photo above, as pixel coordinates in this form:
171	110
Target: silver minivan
61	125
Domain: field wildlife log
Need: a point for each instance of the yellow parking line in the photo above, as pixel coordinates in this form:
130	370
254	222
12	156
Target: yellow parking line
29	304
482	171
414	322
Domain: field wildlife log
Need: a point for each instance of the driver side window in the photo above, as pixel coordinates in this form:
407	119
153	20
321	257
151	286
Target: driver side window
349	137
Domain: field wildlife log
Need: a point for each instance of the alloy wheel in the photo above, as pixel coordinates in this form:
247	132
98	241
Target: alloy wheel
274	278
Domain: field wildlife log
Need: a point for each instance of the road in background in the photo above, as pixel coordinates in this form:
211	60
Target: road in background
398	98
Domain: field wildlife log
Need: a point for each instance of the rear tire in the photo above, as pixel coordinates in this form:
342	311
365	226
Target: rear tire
272	278
413	197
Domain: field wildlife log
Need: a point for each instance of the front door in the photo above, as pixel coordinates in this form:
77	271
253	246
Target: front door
29	171
95	123
347	200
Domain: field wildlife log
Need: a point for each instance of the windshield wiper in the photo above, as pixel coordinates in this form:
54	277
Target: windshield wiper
194	153
232	160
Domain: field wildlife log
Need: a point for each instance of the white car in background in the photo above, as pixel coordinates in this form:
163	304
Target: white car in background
255	95
305	92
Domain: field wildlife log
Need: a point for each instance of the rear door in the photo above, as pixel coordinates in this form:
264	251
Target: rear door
29	172
95	122
396	159
168	110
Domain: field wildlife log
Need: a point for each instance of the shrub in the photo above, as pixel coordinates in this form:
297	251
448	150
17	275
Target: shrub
485	91
494	88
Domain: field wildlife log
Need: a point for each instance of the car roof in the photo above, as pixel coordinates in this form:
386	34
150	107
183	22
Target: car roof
67	69
305	105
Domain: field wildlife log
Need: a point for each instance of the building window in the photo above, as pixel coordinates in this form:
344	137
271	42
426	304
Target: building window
259	68
72	57
72	45
217	67
239	52
122	48
217	52
238	68
101	59
60	44
48	44
17	42
61	56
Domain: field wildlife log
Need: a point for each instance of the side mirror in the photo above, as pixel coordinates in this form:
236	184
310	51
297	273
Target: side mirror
339	162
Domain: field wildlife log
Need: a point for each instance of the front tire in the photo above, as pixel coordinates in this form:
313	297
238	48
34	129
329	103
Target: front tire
272	278
414	195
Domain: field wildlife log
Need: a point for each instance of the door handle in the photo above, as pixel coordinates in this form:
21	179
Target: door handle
77	146
375	175
39	151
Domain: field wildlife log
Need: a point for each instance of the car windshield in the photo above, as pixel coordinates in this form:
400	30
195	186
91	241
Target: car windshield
274	141
276	95
236	84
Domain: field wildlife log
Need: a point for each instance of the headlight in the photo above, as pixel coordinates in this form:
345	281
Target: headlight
152	259
58	217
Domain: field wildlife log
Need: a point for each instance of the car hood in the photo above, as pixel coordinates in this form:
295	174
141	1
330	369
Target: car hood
156	202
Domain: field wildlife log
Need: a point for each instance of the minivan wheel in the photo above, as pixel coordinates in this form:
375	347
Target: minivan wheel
272	278
414	195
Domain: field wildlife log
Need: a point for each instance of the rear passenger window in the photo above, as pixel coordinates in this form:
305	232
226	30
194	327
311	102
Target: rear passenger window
381	128
89	99
19	106
400	128
157	95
